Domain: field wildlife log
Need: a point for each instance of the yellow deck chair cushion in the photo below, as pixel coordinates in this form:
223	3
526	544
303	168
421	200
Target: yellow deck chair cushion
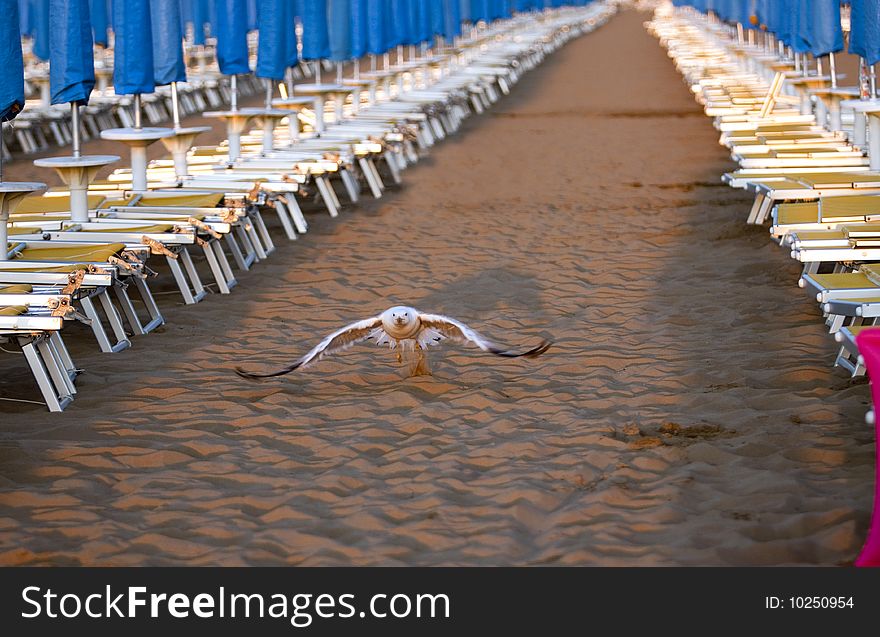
791	213
18	288
206	200
152	229
859	205
12	310
53	204
76	254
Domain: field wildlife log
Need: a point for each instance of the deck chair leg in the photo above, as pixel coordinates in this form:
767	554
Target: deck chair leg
190	267
237	255
242	230
63	354
59	379
285	220
115	322
128	311
53	401
219	276
325	197
372	165
97	326
835	322
217	247
267	243
351	186
331	191
391	162
299	219
371	180
180	279
156	318
764	211
756	206
61	358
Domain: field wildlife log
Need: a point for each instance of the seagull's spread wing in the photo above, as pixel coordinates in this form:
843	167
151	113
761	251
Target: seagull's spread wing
336	342
436	328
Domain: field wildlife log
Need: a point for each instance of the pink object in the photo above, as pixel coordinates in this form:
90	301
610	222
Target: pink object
868	342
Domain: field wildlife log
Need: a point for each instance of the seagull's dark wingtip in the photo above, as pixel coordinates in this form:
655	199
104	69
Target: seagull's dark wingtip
532	353
537	351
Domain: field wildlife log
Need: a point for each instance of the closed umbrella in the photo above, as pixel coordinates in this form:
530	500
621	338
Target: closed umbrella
71	64
134	74
98	13
11	103
71	79
231	32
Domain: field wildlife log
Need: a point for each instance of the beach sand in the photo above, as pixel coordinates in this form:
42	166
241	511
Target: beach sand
687	414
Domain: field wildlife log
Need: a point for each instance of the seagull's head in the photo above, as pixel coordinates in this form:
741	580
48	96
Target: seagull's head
400	317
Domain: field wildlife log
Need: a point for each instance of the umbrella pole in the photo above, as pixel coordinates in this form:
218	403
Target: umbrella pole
832	70
74	125
137	111
339	72
289	80
233	85
268	94
372	62
356	68
873	77
175	105
317	71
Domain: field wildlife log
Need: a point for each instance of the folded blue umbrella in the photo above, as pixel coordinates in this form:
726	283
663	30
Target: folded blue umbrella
133	48
826	34
864	38
272	44
251	15
378	31
401	22
11	63
98	14
339	29
168	63
315	41
71	63
40	28
358	28
230	29
464	9
451	19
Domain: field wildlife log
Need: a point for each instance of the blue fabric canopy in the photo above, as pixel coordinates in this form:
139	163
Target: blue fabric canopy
71	63
230	29
315	41
40	28
133	48
422	20
378	35
865	35
451	19
196	11
272	45
252	15
168	63
464	9
401	22
98	13
479	10
11	63
826	34
339	29
358	28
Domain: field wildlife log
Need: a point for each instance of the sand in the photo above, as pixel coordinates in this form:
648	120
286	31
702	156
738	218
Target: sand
687	414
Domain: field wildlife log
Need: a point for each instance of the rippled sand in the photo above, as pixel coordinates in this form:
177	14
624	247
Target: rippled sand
688	413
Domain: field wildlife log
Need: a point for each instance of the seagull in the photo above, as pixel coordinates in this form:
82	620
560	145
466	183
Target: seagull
401	328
